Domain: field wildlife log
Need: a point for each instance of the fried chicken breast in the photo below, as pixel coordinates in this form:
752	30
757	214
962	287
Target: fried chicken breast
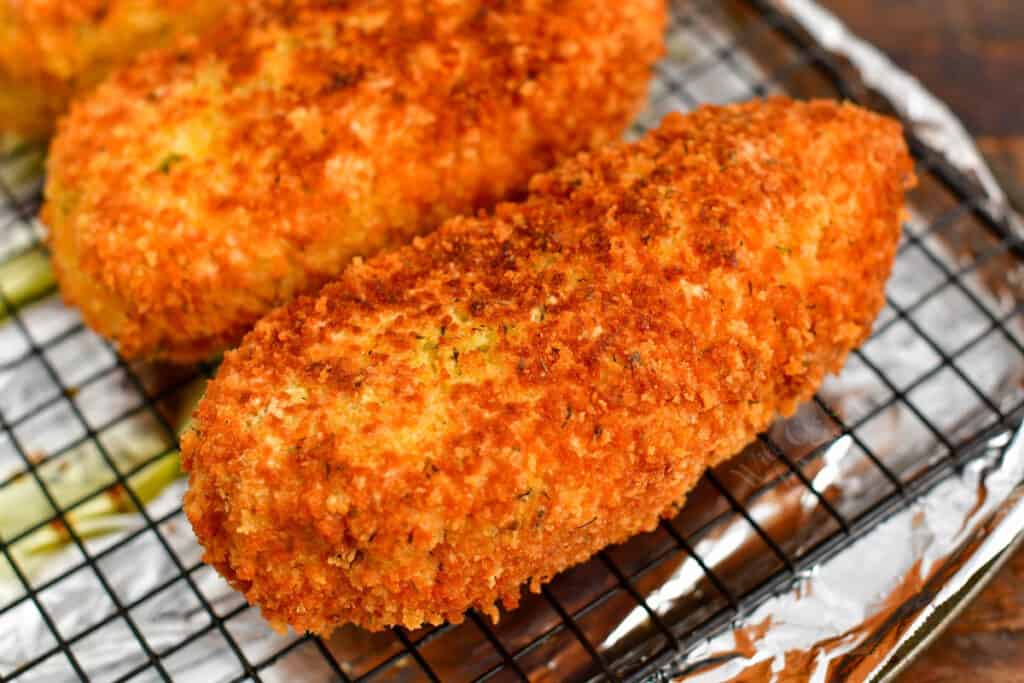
202	186
502	399
53	50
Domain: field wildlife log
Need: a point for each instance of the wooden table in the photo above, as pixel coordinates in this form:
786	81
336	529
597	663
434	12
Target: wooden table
970	53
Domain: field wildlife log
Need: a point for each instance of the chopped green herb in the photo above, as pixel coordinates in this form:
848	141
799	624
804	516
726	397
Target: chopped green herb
24	279
169	161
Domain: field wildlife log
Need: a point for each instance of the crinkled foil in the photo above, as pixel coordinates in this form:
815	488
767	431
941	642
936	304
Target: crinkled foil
756	579
863	614
927	115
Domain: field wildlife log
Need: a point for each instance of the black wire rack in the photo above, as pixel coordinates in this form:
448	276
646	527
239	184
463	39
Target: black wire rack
624	613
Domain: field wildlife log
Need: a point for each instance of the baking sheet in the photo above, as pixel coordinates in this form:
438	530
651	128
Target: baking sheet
920	399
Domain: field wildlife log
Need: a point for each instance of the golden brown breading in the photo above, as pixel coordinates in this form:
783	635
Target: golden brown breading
202	187
502	399
53	50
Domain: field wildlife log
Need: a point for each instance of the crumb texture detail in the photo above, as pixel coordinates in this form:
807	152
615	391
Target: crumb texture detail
54	50
503	398
212	181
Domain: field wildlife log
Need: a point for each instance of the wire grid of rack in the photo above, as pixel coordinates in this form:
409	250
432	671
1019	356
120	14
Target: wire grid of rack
567	631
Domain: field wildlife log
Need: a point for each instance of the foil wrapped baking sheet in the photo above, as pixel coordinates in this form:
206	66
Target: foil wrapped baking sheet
831	549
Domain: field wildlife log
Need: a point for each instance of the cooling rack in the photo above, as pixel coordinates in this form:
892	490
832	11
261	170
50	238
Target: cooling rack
934	387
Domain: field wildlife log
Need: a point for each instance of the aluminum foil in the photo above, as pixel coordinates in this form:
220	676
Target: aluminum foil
929	117
863	614
756	579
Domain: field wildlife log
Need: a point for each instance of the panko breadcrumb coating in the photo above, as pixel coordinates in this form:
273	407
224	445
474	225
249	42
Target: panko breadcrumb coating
203	186
53	50
500	400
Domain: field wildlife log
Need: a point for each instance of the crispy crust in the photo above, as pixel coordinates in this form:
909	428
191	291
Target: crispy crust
53	50
203	186
500	400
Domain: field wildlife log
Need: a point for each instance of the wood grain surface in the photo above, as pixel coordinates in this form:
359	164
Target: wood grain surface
968	52
971	54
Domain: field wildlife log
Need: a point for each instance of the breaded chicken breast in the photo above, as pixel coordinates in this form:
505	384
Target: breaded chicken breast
502	399
201	187
53	50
